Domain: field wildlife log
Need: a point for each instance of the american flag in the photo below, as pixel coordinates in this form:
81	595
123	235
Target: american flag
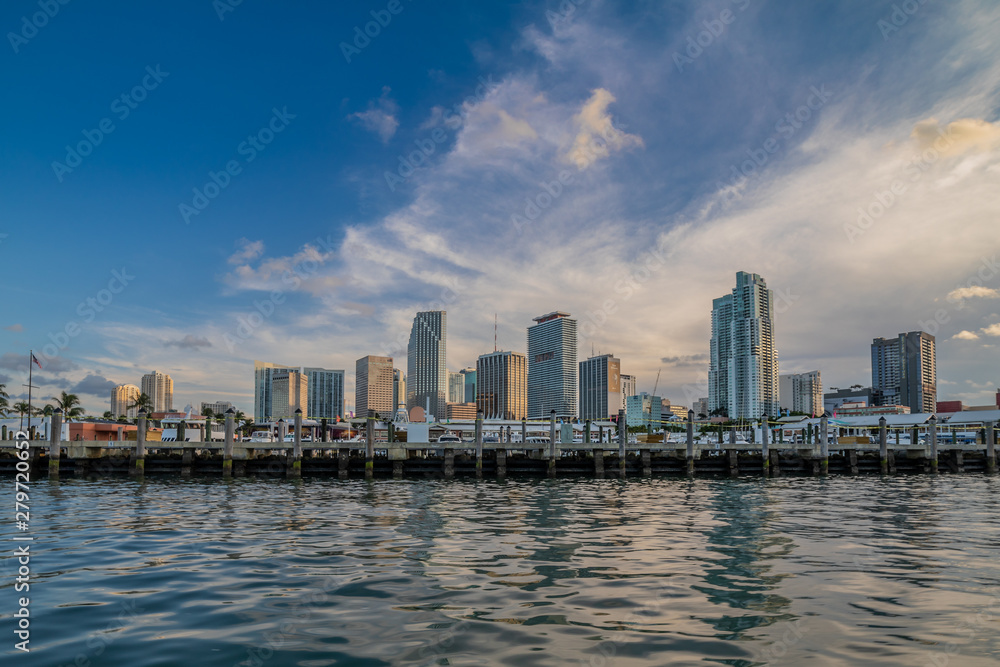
35	361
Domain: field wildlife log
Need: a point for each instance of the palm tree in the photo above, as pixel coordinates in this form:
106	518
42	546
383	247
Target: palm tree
22	408
108	415
142	403
4	405
48	410
70	405
208	413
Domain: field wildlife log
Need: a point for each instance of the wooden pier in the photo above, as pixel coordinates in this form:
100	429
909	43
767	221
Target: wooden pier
495	460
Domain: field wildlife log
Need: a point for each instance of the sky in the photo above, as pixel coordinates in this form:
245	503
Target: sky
193	186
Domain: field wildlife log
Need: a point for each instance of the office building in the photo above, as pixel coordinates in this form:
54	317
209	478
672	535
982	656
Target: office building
835	398
160	389
373	387
469	375
600	387
502	385
426	364
743	365
630	387
644	410
263	374
122	397
700	408
552	366
289	392
456	387
461	411
904	371
326	393
801	392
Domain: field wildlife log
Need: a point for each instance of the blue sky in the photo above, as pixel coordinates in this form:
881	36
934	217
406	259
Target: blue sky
576	156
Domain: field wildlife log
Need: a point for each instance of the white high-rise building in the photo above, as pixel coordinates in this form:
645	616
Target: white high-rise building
427	363
122	397
600	387
552	366
263	373
802	392
289	392
743	366
630	387
456	387
160	389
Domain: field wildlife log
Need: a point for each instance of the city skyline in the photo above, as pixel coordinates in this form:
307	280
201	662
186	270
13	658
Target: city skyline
590	189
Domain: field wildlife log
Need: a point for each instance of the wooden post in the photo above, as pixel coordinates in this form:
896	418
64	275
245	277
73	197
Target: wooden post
690	444
824	446
343	462
600	433
599	462
295	469
765	453
370	447
55	440
734	463
647	463
227	451
586	433
991	455
182	431
524	432
139	467
933	442
622	431
479	444
883	446
501	463
552	443
852	460
449	463
324	435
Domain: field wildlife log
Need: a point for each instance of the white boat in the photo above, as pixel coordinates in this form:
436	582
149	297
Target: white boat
448	437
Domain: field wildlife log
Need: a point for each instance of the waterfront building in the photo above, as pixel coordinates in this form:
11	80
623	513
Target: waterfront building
600	387
160	389
629	387
263	374
373	386
326	393
289	392
426	364
904	371
502	385
552	368
801	392
855	394
217	408
700	407
461	411
123	396
862	410
743	364
456	387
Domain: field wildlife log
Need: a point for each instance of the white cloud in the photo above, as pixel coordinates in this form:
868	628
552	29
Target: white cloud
992	330
966	335
247	251
597	137
973	292
380	117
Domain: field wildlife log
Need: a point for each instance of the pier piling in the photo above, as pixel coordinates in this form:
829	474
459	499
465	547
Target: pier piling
370	447
227	453
622	435
824	446
689	453
55	438
479	444
139	464
932	437
991	455
883	446
295	469
765	453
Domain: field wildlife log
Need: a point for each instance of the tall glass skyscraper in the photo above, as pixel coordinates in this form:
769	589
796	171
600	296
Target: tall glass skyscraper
600	387
552	366
326	393
427	363
502	391
904	371
743	362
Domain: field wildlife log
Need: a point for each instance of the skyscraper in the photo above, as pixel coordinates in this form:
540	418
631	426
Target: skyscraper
469	375
289	392
456	387
743	366
502	385
904	371
600	387
630	386
552	366
802	392
373	387
326	393
398	389
426	363
263	374
160	389
122	397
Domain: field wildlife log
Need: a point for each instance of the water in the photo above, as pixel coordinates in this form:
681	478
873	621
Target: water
871	571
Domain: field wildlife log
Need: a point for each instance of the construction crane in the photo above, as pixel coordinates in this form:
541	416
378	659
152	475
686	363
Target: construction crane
656	384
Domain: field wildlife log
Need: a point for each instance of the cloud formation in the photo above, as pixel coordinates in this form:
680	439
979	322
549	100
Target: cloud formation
957	137
247	251
380	117
95	385
189	342
597	137
16	328
973	292
966	335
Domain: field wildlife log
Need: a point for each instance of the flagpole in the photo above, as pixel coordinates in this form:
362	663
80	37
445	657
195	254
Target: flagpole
31	353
